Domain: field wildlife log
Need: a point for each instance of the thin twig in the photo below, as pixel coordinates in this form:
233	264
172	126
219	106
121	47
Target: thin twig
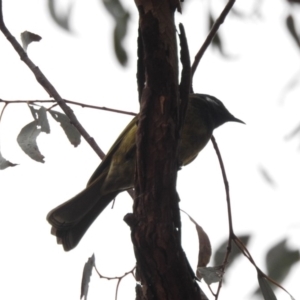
232	236
231	233
226	184
49	88
119	278
211	35
246	252
103	108
2	111
71	102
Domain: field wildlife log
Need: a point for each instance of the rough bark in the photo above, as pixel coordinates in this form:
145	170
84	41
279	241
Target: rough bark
162	268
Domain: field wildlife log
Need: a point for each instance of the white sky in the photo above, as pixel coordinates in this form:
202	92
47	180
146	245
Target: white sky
83	68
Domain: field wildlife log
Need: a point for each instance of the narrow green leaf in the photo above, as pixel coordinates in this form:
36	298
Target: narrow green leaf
235	252
217	41
119	35
211	274
27	141
62	19
204	253
267	176
43	120
86	275
204	245
40	115
292	29
71	132
5	163
121	17
29	37
265	288
33	112
280	259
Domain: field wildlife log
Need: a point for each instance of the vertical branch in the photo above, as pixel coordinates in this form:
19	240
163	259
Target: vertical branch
161	264
184	92
185	83
140	66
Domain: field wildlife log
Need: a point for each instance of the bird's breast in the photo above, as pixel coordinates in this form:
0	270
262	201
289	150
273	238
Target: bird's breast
191	143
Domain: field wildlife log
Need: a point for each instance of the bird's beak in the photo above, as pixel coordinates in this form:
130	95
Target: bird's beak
234	119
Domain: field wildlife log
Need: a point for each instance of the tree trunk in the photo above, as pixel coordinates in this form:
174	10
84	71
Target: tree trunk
162	267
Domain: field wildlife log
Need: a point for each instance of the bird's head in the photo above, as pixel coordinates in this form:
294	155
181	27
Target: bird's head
219	114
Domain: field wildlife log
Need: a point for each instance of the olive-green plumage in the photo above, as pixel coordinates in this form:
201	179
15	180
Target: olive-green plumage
115	174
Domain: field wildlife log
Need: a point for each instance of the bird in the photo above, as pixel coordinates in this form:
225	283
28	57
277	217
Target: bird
115	173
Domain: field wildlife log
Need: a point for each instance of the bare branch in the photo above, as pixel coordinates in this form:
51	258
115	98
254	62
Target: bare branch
231	234
2	111
49	88
70	102
211	35
119	278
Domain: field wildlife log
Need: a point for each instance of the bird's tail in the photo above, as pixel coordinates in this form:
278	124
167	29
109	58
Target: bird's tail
71	219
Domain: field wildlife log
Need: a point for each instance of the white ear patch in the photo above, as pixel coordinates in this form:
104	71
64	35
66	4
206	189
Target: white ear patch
212	100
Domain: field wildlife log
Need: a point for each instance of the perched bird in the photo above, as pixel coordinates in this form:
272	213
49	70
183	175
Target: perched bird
115	174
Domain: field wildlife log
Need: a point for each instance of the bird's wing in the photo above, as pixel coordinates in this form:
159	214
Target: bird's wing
108	158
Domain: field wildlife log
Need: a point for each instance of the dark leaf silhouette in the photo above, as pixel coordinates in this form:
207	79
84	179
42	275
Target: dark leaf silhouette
71	132
29	37
121	17
292	29
62	19
235	252
265	288
40	115
27	141
280	259
211	274
204	253
86	276
5	163
293	133
267	176
216	42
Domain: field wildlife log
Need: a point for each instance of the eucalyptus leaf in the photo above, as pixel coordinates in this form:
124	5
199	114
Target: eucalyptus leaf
290	23
204	253
40	115
86	275
119	34
280	259
266	289
121	17
211	274
235	252
71	132
62	19
5	163
27	141
29	37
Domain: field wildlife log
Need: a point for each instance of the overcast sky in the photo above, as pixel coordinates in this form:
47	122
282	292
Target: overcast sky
82	67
